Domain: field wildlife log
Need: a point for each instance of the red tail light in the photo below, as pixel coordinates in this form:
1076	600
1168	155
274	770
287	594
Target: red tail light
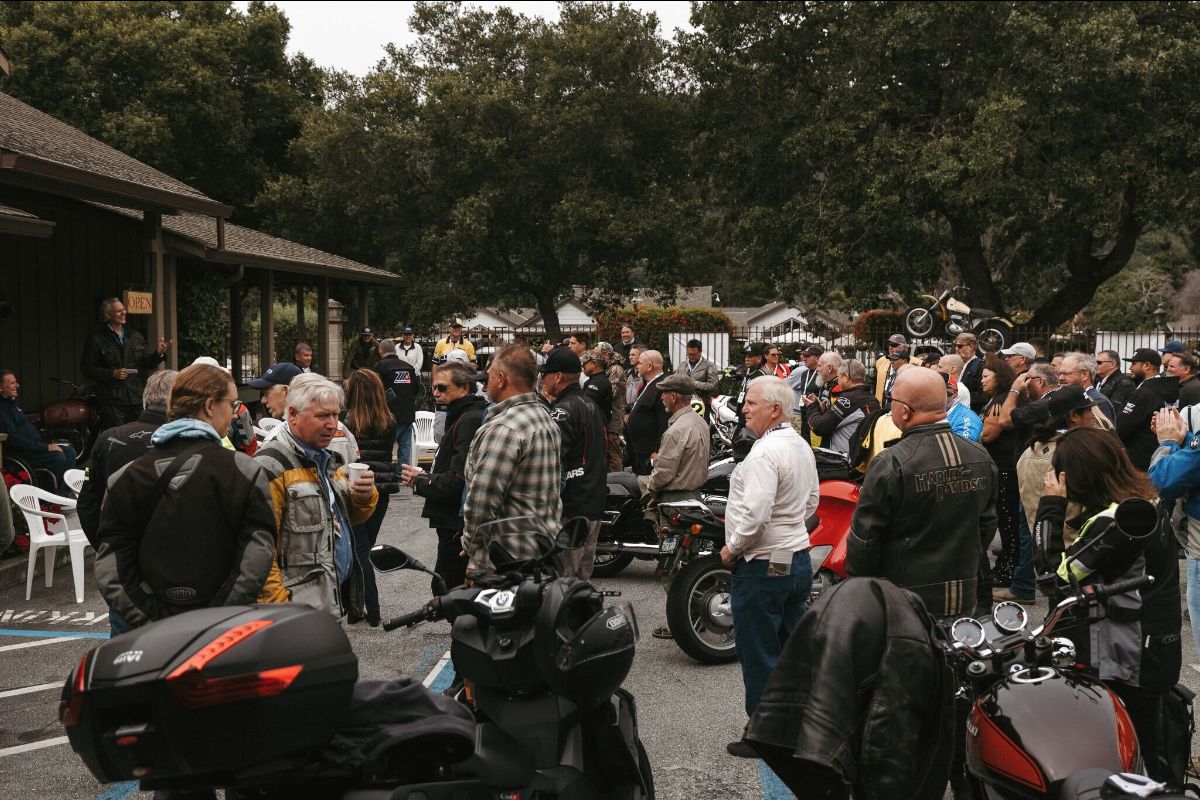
69	710
219	645
675	520
1003	755
196	691
1127	742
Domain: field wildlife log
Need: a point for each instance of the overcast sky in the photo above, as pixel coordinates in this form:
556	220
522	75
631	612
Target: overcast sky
350	35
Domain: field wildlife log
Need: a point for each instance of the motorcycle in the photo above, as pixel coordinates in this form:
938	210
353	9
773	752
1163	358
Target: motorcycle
698	604
263	700
992	331
1040	725
74	420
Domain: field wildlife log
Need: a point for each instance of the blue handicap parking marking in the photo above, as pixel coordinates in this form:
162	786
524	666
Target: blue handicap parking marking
446	677
772	787
119	791
65	633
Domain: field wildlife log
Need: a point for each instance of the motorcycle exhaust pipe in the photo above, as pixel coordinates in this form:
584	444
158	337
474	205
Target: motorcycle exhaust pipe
637	548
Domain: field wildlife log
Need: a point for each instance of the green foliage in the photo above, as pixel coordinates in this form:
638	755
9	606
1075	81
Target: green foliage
201	91
872	328
868	145
203	317
505	158
1127	301
653	324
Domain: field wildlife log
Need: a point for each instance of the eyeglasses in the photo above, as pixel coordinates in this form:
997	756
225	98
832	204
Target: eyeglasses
233	405
889	398
1098	361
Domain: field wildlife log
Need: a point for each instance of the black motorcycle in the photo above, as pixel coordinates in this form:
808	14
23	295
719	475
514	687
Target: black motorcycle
263	701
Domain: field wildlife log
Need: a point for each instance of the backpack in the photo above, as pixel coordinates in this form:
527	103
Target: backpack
1175	742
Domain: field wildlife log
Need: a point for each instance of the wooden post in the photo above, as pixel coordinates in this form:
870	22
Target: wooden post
266	320
171	302
300	313
153	246
235	331
325	359
363	315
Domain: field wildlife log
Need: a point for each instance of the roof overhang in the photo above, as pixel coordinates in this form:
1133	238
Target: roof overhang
46	175
233	258
19	223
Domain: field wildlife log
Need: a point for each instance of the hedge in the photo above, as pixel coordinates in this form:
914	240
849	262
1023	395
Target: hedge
653	324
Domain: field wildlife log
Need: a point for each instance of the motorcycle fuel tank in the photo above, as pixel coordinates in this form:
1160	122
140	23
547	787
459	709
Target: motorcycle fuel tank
1038	726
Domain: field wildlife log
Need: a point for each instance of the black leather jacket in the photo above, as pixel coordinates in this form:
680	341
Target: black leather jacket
103	353
584	464
861	690
443	487
927	508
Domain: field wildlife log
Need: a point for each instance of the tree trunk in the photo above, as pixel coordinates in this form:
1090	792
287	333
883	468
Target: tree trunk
1087	271
973	267
546	307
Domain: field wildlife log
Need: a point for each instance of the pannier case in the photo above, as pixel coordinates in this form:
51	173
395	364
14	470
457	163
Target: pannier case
210	692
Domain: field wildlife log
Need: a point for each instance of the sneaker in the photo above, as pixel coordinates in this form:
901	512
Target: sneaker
1006	594
740	749
662	632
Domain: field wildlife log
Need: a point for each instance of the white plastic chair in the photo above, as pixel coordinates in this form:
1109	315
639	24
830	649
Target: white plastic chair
422	434
268	424
62	532
75	479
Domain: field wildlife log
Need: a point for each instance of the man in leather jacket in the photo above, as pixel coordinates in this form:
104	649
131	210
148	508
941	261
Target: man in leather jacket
836	422
928	503
584	466
117	361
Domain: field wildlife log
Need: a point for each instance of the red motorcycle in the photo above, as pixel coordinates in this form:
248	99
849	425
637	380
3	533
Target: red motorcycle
698	604
74	420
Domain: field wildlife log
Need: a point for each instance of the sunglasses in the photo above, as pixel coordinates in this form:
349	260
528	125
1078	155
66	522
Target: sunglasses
888	397
441	388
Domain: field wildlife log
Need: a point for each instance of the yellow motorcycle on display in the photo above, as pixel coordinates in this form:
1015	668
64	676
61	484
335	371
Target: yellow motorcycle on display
948	316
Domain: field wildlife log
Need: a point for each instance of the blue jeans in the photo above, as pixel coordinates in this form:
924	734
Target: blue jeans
116	624
404	439
1022	576
365	536
1193	597
766	609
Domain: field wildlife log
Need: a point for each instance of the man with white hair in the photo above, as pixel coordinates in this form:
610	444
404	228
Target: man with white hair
852	404
1080	369
647	417
771	495
316	504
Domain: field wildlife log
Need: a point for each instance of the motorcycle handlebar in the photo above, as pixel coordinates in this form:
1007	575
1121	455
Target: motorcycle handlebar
427	612
1105	591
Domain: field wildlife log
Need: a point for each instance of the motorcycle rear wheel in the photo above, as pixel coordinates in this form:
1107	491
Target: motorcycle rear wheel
918	321
607	565
697	611
993	335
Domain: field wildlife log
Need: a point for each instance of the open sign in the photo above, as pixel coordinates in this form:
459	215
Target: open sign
139	302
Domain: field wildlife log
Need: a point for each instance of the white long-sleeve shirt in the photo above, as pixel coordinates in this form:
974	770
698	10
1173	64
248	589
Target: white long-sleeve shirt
771	494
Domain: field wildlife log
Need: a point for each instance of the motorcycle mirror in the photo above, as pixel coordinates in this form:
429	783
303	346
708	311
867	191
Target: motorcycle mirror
386	558
574	534
1136	518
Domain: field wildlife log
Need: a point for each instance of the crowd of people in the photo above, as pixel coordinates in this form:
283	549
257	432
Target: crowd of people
187	509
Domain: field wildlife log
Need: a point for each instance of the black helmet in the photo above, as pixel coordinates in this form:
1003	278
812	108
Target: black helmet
585	651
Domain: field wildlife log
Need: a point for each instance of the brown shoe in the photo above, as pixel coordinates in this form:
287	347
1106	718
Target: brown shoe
1000	595
662	632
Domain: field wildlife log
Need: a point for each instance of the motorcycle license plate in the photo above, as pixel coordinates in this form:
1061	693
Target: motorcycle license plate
668	544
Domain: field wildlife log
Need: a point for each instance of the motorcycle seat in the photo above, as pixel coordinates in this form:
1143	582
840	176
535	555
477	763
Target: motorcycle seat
499	760
626	481
983	312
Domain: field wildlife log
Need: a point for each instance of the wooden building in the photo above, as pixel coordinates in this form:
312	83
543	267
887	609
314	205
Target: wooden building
81	221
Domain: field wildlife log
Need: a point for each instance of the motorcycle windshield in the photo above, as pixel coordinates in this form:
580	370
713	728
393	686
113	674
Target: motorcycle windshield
528	538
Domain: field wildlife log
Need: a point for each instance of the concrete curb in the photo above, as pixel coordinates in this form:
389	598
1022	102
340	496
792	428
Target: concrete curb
12	570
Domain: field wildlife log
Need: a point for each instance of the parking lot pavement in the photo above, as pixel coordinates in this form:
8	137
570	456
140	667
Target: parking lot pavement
687	712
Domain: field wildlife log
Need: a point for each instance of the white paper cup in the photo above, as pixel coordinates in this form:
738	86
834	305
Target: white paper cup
355	470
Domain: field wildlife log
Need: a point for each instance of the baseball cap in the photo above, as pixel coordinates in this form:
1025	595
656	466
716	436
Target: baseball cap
209	361
591	355
899	355
366	332
813	350
604	348
280	374
456	322
561	359
897	338
457	356
407	329
753	349
1020	349
677	383
1173	346
1147	355
1066	399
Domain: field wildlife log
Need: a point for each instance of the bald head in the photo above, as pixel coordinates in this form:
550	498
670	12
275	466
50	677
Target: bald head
951	365
918	398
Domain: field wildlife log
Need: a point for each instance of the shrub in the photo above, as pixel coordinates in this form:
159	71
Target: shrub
872	328
653	324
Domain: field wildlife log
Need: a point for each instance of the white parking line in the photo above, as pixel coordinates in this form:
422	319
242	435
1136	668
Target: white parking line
25	748
41	687
442	663
39	643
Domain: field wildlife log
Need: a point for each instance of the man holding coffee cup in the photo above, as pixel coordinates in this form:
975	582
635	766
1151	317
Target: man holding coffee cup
317	499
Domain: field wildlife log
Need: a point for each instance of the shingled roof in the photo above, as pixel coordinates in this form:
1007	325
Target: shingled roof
22	223
253	248
38	147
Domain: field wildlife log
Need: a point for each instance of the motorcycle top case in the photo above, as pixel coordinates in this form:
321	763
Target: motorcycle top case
210	692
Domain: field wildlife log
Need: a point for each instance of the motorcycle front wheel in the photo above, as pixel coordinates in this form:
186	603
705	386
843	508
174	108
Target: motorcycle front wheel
993	335
607	565
918	322
698	611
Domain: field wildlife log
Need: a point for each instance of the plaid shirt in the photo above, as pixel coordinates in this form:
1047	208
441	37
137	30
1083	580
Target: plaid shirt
512	471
